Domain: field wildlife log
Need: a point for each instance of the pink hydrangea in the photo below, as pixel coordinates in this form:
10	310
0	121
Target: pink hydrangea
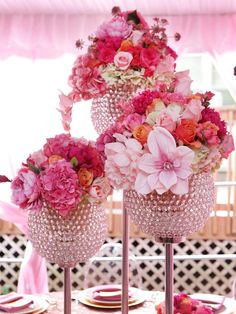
60	186
121	163
26	189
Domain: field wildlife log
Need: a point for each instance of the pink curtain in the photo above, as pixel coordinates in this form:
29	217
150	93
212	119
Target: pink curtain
33	272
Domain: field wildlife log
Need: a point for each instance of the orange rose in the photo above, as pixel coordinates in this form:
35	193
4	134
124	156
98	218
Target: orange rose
54	158
126	45
186	131
85	177
140	133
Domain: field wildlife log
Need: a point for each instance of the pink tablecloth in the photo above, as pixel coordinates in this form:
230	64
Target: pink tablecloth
148	307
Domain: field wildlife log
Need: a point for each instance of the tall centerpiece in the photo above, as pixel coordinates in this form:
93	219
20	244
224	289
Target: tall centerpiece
124	55
162	152
62	186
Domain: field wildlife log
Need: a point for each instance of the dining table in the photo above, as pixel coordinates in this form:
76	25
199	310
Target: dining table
151	298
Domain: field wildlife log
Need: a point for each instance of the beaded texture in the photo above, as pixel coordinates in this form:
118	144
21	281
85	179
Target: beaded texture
173	216
68	240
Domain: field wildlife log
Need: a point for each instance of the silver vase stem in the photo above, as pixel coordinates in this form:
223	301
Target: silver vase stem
169	265
67	290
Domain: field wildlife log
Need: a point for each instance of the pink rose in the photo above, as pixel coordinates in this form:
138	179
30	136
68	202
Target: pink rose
166	65
122	60
149	57
60	186
193	110
165	120
183	82
207	132
26	189
227	146
133	120
100	189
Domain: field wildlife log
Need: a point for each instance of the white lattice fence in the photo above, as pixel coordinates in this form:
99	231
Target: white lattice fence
207	276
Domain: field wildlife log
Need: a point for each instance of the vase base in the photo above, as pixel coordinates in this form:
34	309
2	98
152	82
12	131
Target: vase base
170	240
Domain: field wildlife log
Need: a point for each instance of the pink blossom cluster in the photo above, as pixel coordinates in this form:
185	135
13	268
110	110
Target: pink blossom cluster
124	50
184	304
66	172
164	138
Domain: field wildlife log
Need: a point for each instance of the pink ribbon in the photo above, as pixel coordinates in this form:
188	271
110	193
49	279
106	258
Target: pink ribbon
33	272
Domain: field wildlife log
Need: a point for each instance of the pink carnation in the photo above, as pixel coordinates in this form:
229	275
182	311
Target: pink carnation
209	114
60	186
26	189
150	58
144	99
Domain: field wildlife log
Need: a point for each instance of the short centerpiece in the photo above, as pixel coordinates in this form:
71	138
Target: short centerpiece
124	55
62	186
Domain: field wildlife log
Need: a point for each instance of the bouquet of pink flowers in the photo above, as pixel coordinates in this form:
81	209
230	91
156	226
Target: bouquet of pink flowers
184	304
163	137
124	51
62	175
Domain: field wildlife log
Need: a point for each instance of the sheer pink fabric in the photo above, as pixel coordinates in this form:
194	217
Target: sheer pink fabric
33	272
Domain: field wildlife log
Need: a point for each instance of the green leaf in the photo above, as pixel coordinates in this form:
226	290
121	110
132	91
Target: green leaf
133	16
33	168
74	161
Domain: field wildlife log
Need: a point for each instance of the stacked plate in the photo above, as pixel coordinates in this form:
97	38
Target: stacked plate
16	303
109	296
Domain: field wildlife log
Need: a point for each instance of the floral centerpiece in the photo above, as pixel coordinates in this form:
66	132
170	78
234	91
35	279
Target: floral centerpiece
161	152
64	174
184	304
62	186
162	139
125	51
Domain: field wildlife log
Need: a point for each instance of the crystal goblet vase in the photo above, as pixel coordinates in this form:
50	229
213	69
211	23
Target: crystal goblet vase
104	110
171	216
67	240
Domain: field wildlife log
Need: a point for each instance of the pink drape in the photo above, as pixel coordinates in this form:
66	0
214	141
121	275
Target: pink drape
33	272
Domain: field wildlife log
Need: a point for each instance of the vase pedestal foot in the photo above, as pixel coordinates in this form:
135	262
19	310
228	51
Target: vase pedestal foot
67	290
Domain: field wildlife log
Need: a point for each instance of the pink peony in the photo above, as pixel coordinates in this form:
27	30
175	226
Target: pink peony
100	189
227	146
193	110
122	60
117	27
121	163
183	82
60	186
166	167
26	189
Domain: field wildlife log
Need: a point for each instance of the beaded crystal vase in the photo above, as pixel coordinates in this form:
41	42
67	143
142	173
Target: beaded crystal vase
70	239
104	110
170	217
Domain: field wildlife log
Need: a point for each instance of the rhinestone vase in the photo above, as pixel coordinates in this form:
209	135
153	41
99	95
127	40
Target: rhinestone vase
170	216
104	110
70	239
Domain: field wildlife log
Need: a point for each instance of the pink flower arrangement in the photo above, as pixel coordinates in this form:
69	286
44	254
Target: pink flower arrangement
184	304
124	50
165	137
65	173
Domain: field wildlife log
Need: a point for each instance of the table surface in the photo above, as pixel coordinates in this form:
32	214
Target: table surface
56	304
